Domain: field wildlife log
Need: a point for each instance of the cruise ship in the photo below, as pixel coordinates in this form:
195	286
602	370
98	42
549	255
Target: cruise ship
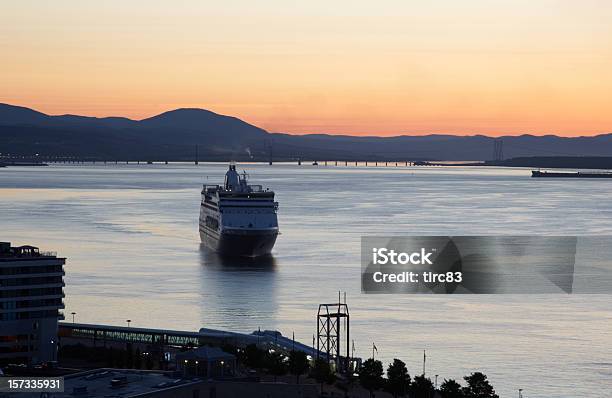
238	219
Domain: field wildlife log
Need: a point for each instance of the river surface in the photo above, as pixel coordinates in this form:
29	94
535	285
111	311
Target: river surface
130	234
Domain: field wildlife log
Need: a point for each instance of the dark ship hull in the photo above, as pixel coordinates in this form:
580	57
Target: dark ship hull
556	174
240	243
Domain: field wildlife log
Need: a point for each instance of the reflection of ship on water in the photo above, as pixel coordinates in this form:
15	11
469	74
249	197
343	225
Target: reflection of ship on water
238	219
242	290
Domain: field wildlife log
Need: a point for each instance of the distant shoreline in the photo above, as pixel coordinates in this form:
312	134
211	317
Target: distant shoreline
36	164
547	162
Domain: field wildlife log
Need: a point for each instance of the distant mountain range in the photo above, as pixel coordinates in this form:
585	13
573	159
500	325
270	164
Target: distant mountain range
174	135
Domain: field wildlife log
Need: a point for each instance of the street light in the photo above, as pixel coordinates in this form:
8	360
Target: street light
73	314
222	368
128	322
53	345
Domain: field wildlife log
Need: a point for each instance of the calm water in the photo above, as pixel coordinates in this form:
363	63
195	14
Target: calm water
130	235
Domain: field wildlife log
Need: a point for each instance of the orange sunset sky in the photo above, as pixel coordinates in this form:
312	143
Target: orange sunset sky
351	67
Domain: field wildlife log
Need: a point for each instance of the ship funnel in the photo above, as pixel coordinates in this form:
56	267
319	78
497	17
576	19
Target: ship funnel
232	179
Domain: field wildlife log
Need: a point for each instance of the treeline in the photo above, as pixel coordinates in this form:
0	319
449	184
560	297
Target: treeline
399	383
370	375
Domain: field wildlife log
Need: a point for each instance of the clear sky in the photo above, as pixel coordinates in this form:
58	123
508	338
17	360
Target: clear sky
356	67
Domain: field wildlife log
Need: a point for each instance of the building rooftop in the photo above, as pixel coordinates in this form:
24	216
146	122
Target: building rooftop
8	251
205	353
111	383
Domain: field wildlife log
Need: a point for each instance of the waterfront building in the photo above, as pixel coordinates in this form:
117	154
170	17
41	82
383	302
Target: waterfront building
209	362
31	300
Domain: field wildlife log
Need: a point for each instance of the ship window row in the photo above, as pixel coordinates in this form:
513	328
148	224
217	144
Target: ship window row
31	281
249	211
13	305
30	270
212	222
14	316
258	197
207	206
48	291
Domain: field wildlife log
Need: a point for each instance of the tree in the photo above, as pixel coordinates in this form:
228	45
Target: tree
370	375
398	379
451	389
348	383
253	356
277	364
478	387
298	364
421	387
322	372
